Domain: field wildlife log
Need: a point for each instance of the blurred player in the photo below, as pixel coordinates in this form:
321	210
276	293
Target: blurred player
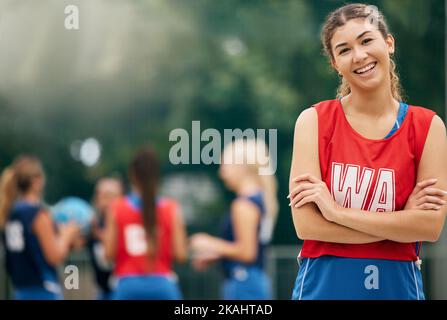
106	191
144	234
33	245
248	227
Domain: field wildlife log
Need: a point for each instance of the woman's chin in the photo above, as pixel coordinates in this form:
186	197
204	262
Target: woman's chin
369	84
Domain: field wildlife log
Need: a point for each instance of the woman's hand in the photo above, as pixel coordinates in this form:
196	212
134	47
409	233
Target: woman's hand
203	251
310	189
202	244
425	197
78	243
201	263
69	231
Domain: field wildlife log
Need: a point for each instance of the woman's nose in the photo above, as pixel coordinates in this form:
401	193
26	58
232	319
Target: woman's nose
359	55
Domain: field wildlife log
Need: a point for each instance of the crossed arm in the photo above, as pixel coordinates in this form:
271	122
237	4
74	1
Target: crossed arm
317	216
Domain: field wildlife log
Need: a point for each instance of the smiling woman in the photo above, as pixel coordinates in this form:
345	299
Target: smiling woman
348	37
368	173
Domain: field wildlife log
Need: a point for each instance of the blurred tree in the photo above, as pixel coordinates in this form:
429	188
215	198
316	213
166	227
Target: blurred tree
138	69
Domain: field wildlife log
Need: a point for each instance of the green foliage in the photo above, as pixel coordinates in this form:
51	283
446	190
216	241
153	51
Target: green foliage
154	66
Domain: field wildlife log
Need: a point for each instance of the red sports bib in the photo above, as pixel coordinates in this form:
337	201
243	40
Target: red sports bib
371	175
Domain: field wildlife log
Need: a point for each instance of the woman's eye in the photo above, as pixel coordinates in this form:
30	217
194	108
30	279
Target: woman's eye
367	41
343	51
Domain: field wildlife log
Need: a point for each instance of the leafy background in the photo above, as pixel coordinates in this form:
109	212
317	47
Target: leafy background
135	70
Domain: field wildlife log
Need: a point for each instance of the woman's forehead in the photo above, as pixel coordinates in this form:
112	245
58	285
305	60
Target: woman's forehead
351	30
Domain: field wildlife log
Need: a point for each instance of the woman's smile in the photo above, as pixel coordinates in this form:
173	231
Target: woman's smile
367	70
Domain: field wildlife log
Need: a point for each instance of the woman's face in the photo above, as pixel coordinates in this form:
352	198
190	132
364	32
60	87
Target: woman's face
361	54
38	183
231	172
106	192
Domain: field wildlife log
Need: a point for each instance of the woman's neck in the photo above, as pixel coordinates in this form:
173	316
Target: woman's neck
31	197
371	104
247	187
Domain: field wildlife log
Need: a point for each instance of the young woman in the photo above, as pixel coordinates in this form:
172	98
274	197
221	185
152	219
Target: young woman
247	228
356	161
33	246
143	234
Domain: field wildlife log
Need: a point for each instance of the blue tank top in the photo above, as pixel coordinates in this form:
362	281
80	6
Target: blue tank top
25	261
403	109
227	234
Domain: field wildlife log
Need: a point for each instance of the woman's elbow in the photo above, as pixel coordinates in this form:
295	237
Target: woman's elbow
306	234
436	231
301	234
303	231
435	235
248	256
304	224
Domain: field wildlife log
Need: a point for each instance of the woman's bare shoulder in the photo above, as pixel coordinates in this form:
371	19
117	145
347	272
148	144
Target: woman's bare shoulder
307	120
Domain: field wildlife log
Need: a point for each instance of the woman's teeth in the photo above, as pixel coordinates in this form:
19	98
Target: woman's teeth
365	69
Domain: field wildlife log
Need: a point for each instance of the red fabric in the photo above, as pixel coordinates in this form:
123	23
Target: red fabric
131	254
351	165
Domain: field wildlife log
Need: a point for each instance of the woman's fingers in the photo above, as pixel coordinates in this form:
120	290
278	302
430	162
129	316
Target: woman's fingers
299	197
309	177
298	189
305	200
424	184
431	192
430	199
428	206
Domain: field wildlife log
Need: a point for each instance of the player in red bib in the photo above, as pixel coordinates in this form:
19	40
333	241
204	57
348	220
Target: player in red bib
360	196
143	235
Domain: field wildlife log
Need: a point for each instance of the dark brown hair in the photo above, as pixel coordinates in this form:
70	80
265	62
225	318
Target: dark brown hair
339	18
144	173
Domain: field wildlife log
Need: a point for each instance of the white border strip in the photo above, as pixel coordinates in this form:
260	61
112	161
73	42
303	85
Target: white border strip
415	280
302	281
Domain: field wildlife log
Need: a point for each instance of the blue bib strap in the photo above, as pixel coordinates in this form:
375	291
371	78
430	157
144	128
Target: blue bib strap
403	110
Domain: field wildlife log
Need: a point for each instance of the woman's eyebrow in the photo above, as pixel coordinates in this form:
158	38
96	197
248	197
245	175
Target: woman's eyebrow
345	43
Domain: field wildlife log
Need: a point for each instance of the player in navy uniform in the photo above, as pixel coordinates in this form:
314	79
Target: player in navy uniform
247	229
33	245
106	191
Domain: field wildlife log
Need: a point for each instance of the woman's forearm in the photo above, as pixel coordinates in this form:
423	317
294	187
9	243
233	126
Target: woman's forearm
311	225
401	226
233	250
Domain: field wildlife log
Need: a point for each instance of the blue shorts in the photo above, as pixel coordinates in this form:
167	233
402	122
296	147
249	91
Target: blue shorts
102	295
149	287
37	293
247	283
335	278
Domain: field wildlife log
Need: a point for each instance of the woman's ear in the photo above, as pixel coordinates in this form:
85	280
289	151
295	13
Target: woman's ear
390	43
334	65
